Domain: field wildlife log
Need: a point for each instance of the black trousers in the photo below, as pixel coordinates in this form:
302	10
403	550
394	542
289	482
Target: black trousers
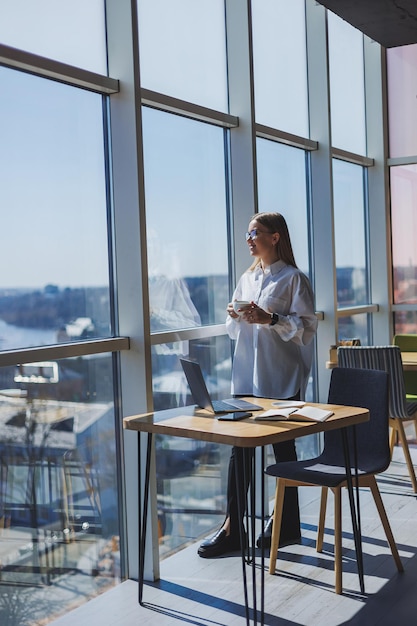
241	458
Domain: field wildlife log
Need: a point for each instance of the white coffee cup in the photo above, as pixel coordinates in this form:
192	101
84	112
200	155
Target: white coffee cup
240	304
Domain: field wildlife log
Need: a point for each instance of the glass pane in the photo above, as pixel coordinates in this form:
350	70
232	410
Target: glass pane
54	228
401	81
354	327
282	187
347	87
70	32
280	65
405	322
188	509
404	233
350	241
182	47
58	500
186	221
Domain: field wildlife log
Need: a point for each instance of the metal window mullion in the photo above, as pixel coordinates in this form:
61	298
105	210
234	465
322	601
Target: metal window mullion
55	70
196	112
63	351
130	259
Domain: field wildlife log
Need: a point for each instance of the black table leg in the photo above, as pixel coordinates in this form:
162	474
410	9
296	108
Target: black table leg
143	518
249	465
262	536
354	507
240	513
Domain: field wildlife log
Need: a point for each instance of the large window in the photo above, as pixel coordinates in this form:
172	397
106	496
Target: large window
402	76
351	247
282	187
183	50
50	29
59	467
280	65
347	86
404	232
187	235
186	221
54	251
59	514
402	72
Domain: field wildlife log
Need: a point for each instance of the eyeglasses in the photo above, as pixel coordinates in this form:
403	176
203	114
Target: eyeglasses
255	232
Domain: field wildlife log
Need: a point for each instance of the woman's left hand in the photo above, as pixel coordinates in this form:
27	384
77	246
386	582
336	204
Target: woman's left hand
256	315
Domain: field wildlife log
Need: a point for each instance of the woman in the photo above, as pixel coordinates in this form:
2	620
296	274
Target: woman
273	355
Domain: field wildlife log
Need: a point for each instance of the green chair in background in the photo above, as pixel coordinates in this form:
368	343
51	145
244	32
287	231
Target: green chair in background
408	343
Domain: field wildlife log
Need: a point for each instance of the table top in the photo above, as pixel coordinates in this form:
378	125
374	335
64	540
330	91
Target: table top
193	423
409	360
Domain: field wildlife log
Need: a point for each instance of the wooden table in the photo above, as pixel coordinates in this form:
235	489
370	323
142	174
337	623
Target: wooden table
409	360
189	423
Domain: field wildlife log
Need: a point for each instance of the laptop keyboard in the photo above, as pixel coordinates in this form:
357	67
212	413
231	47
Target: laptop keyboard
235	404
221	407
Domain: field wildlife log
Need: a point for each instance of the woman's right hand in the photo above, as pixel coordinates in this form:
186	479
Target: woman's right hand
231	310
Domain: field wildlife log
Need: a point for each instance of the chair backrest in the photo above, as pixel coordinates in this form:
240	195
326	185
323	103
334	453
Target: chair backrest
367	389
385	358
408	343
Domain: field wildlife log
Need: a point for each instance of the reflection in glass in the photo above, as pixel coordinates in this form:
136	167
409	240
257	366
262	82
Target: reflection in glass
350	237
50	28
188	287
54	229
347	86
354	327
282	187
182	47
405	322
186	221
404	232
280	65
401	81
58	497
188	509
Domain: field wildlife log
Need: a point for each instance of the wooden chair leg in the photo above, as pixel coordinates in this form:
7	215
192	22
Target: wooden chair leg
276	525
393	436
404	443
385	523
322	519
338	539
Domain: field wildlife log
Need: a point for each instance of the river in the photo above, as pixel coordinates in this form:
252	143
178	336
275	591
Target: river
14	337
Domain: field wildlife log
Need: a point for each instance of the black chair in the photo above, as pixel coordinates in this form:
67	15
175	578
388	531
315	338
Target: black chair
355	387
387	359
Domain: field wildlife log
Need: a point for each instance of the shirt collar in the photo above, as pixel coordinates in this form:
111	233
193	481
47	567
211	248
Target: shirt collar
274	268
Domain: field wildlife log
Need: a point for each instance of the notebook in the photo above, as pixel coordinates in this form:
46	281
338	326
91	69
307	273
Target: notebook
201	396
294	413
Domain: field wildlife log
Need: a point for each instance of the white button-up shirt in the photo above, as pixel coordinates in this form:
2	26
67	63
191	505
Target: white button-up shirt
274	361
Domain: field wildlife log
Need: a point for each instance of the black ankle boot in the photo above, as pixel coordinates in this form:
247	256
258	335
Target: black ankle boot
219	544
284	540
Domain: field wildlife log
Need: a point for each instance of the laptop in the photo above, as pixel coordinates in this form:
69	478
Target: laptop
201	396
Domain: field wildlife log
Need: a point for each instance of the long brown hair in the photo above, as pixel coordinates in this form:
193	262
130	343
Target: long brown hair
275	223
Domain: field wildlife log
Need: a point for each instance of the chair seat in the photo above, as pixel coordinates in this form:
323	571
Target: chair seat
319	471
